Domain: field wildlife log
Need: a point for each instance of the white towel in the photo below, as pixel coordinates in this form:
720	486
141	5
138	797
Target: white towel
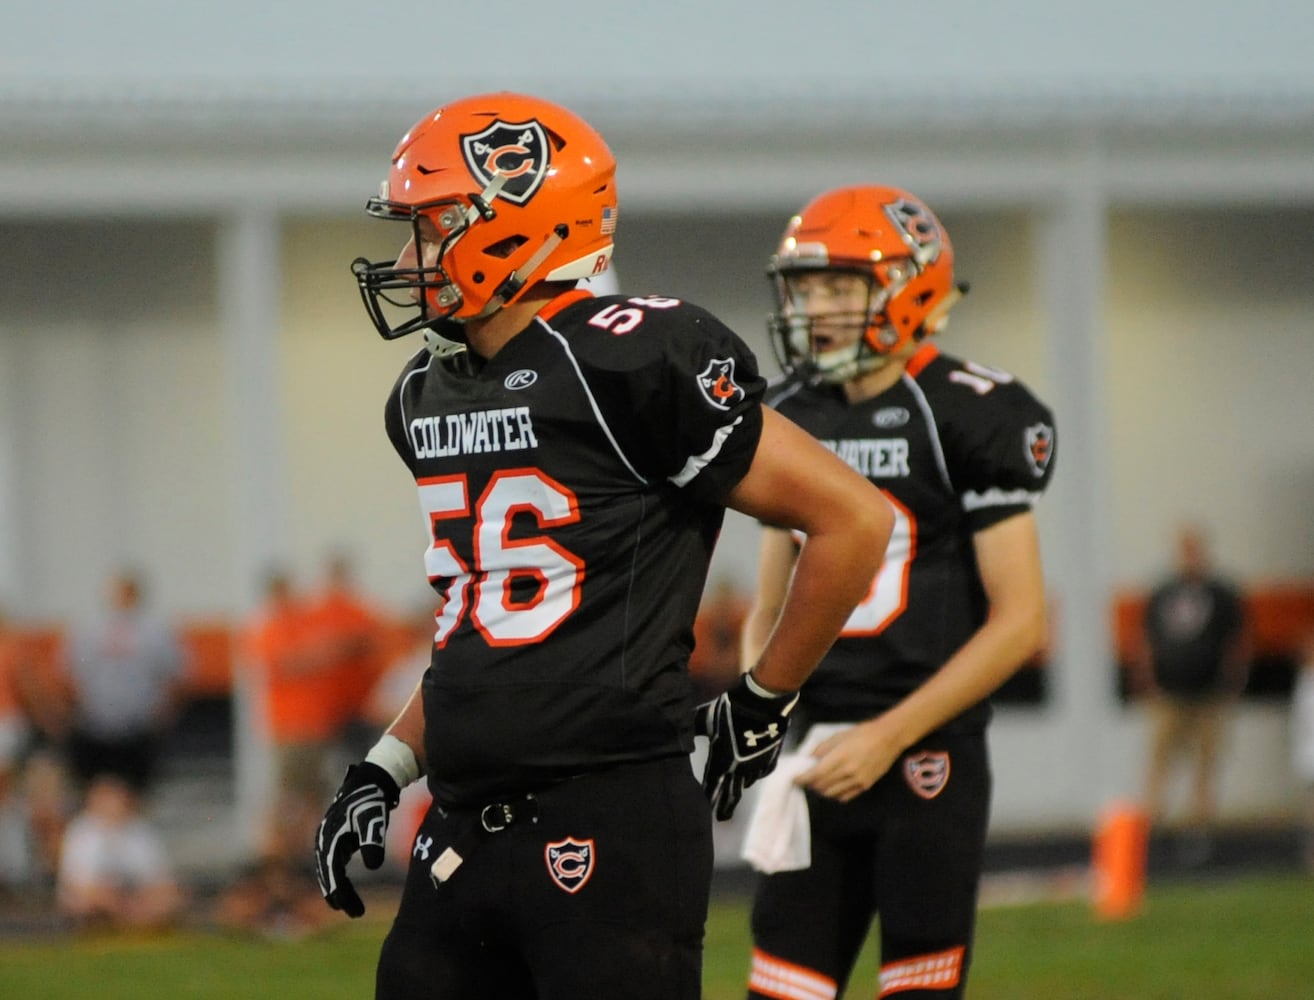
778	838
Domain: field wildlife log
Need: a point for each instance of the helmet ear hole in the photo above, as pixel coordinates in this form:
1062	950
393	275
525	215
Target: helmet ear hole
503	249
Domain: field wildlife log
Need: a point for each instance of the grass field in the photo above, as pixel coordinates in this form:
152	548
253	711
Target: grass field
1239	939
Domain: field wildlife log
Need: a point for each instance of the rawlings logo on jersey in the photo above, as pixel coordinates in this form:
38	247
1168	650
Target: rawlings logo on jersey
927	772
570	862
1040	446
888	417
717	383
520	152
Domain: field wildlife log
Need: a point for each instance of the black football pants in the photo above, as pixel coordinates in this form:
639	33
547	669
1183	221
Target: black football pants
909	850
597	888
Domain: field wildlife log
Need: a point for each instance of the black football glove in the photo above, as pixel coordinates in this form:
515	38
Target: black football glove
356	820
745	732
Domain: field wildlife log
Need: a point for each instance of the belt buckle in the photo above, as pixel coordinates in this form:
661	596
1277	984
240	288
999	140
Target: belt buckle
489	819
499	815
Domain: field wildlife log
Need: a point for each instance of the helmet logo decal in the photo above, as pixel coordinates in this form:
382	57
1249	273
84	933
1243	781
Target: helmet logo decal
570	862
1040	446
917	228
519	152
717	383
927	772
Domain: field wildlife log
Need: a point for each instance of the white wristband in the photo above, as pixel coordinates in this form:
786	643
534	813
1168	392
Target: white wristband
395	757
761	691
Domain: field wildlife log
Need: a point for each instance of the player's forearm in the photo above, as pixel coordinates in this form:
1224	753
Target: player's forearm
756	631
995	653
833	573
408	727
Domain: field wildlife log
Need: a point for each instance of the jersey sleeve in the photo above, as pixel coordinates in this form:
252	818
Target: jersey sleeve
999	444
680	390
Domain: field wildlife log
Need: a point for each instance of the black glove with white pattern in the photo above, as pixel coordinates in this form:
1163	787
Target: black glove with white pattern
745	731
356	820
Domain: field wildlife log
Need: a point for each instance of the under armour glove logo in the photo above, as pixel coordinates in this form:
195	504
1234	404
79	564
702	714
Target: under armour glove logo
745	731
772	732
356	820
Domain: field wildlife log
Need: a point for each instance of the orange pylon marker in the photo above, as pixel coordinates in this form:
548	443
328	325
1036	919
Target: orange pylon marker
1118	860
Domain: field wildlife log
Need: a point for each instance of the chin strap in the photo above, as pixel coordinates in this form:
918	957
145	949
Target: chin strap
515	281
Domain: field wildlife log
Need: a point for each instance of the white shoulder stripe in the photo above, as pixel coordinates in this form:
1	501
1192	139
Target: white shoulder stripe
401	393
697	463
932	429
995	497
790	390
593	403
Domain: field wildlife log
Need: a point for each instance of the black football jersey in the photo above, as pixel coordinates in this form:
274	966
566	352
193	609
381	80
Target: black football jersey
572	488
956	447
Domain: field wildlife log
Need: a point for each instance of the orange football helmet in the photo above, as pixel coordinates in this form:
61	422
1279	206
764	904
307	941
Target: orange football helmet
517	190
896	243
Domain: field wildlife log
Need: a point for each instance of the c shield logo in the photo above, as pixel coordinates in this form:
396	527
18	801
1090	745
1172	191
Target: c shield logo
917	229
570	863
1039	447
717	383
927	772
520	152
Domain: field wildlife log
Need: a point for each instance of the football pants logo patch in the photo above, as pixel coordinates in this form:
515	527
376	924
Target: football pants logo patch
1040	446
518	151
927	772
570	863
717	383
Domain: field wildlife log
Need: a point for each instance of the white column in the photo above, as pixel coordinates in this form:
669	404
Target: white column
10	569
250	283
1078	533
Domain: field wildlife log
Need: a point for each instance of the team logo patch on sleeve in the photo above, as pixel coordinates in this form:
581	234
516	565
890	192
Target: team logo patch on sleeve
1040	446
570	863
519	151
717	383
927	772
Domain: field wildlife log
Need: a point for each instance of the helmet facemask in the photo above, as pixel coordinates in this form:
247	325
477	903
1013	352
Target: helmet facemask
428	290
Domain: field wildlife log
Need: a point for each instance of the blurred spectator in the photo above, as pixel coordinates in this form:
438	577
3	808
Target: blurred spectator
1193	661
126	672
385	701
714	665
15	852
350	633
1302	746
297	678
114	871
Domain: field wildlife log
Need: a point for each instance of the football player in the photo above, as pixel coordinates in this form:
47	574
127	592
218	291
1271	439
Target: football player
896	772
574	457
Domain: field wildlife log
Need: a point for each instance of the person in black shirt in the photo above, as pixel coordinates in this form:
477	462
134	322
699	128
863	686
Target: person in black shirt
1193	662
893	762
574	457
